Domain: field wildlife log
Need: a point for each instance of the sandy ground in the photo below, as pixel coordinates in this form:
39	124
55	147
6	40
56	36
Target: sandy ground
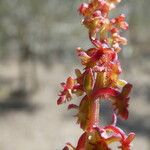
37	123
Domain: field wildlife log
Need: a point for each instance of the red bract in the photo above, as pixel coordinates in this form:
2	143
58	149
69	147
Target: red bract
121	101
66	94
99	79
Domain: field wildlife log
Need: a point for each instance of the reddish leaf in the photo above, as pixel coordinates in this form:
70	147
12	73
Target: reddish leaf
73	106
82	142
66	93
68	146
105	92
126	90
121	106
126	143
61	100
121	101
116	130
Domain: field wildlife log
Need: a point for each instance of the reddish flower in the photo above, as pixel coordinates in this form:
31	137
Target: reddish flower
66	94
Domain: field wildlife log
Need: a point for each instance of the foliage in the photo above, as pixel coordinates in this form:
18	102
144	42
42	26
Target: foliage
99	79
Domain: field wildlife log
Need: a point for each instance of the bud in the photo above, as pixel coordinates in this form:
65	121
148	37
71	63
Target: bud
83	9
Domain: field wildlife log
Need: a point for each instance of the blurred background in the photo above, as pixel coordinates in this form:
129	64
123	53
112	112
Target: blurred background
38	39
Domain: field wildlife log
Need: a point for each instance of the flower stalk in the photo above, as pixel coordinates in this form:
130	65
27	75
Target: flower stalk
99	79
94	115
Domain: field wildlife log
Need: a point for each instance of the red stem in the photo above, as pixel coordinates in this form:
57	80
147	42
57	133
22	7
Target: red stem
94	114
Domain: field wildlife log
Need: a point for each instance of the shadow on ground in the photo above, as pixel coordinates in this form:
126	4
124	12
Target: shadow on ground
17	101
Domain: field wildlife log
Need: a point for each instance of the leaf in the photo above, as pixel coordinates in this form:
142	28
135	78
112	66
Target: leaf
66	93
105	92
100	80
121	101
121	106
126	90
121	83
88	81
66	148
126	143
61	100
116	130
73	106
83	114
82	141
69	147
130	137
